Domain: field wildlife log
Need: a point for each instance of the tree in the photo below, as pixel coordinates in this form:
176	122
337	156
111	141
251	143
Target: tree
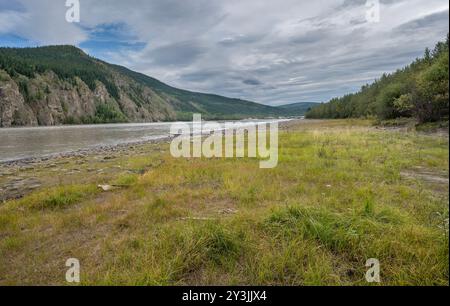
385	101
431	102
420	90
404	105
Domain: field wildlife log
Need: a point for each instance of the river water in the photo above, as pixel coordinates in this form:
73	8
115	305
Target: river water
20	143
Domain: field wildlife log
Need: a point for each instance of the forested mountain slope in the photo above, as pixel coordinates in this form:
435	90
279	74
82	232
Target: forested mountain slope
63	85
298	109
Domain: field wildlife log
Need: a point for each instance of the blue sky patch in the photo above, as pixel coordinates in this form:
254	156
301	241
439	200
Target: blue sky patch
110	38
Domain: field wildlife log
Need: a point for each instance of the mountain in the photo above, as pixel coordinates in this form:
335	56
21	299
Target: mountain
297	109
63	85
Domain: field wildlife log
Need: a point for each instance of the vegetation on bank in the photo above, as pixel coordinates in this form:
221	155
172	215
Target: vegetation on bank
343	192
420	90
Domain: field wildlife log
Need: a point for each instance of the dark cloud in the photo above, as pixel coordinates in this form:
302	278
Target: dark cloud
273	52
200	76
178	54
310	37
252	82
239	40
429	22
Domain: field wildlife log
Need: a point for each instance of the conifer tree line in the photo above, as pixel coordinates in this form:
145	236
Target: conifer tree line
67	62
420	90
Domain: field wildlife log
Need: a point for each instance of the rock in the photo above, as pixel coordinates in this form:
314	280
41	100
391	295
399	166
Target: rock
18	187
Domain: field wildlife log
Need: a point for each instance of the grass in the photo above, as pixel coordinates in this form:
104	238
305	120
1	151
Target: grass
433	126
58	198
413	124
336	199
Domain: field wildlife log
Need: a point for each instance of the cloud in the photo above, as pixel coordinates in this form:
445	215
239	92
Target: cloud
41	21
252	82
430	22
179	54
273	52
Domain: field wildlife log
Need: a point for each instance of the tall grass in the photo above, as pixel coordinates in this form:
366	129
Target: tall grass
336	199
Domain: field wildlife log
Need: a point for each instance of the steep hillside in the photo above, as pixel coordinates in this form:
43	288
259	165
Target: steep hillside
63	85
298	109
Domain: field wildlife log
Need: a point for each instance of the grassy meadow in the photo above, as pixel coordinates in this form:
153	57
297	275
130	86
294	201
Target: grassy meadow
343	192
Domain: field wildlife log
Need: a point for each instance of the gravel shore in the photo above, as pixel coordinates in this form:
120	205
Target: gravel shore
22	176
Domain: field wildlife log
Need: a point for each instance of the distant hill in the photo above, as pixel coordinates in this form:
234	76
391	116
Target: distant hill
63	85
297	109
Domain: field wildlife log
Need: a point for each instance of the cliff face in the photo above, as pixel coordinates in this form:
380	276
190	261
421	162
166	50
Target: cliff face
49	100
62	85
13	110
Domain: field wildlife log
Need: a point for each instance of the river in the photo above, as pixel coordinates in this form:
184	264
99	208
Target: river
30	142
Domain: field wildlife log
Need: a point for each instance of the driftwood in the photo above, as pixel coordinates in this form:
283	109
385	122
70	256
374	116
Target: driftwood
198	218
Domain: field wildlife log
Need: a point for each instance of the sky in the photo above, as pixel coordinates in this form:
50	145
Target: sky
269	51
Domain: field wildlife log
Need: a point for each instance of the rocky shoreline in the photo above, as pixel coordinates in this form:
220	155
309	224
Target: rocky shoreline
116	148
98	150
22	176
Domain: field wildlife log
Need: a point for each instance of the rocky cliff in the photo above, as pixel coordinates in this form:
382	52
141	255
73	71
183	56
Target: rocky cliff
63	85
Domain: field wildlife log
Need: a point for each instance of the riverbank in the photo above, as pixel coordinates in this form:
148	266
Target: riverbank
20	177
343	192
34	144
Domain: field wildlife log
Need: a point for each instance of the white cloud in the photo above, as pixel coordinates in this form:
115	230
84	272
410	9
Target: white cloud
9	21
42	21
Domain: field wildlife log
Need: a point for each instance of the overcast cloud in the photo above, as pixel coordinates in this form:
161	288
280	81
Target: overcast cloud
269	51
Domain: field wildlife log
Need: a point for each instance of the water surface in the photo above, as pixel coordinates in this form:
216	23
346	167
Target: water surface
26	142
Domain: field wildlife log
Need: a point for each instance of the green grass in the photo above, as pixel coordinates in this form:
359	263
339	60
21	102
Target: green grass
59	197
433	126
338	197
